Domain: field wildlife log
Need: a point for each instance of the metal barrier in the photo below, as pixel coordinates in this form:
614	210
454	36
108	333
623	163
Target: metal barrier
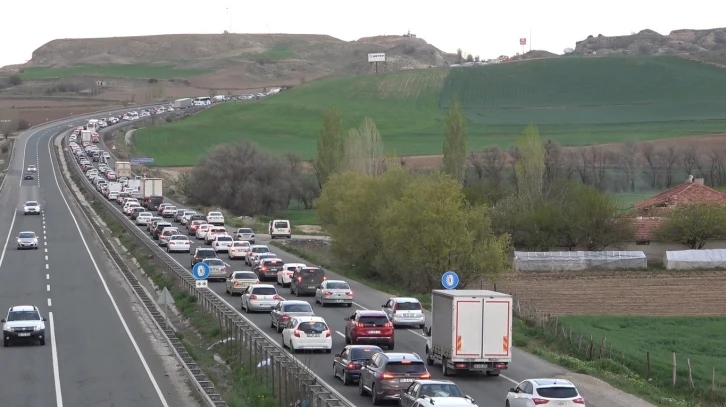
287	377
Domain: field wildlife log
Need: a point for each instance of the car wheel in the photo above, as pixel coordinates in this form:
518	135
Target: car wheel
374	397
429	360
361	390
42	342
322	303
292	347
346	379
272	324
391	345
247	308
506	404
6	343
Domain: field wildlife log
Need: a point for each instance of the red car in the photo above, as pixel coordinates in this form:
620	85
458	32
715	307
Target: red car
369	327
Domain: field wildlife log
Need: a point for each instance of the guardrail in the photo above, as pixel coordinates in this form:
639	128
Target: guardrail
287	377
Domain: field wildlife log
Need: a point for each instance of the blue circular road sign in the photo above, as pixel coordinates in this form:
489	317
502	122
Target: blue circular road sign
450	280
201	271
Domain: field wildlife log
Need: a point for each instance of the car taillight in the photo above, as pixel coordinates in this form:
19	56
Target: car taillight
579	400
299	279
253	297
539	402
296	333
264	268
387	376
236	283
328	293
388	325
327	333
426	376
284	317
276	297
349	293
358	325
351	366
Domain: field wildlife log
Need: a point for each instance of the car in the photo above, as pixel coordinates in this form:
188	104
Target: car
185	217
27	240
434	393
213	232
279	228
215	218
268	268
221	243
160	210
390	373
284	276
193	225
238	249
334	292
179	243
245	234
254	251
143	218
348	364
168	211
303	333
260	257
166	235
31	208
370	327
159	228
260	297
202	231
306	280
32	168
196	216
405	311
23	323
238	281
201	253
178	214
286	310
28	176
135	211
217	269
537	392
151	224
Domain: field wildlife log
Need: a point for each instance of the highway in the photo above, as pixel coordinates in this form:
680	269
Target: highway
97	352
485	390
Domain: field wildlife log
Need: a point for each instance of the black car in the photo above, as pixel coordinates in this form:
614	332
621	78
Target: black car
202	253
348	364
28	176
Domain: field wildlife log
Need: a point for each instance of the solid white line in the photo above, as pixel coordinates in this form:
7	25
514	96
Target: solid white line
54	356
50	305
25	146
340	333
47	287
103	281
7	240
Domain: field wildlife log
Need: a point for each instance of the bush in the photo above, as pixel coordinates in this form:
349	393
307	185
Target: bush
23	125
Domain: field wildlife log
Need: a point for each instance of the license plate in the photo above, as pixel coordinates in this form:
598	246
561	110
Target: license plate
408	315
374	332
406	380
265	305
313	335
24	334
311	287
480	366
338	300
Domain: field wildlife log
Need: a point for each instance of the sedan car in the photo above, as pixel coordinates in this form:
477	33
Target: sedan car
334	292
215	218
238	250
263	256
217	269
31	208
143	218
135	211
349	362
238	281
307	333
260	297
166	235
435	392
268	268
254	251
202	231
532	392
286	310
179	243
404	311
27	240
168	211
245	234
193	225
284	276
28	176
221	243
32	168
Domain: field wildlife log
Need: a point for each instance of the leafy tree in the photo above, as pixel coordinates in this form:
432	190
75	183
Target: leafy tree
593	219
364	150
330	145
459	56
15	80
529	167
469	58
455	142
693	225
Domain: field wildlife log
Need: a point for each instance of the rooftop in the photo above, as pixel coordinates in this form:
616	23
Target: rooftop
689	192
645	227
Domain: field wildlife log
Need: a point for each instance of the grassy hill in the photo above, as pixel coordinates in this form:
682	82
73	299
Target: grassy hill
573	100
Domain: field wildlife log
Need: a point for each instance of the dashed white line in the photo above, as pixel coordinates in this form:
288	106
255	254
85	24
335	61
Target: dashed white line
47	287
47	266
47	276
46	258
46	250
50	304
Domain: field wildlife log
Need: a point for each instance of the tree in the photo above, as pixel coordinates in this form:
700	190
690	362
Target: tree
469	58
594	220
693	225
455	142
364	150
8	123
15	80
459	56
330	146
529	167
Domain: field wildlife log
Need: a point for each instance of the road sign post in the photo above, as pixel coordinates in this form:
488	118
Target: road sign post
201	271
450	280
165	299
142	160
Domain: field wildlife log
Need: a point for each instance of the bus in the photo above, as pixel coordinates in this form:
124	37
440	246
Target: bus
93	125
202	101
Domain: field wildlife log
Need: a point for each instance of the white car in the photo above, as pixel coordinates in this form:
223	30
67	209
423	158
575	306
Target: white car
222	243
533	392
336	292
129	207
238	250
32	168
202	231
307	333
260	297
405	311
143	218
284	277
185	217
215	218
179	243
23	323
254	251
213	232
31	208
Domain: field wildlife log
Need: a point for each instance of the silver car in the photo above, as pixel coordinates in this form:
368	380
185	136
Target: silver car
238	281
263	256
217	269
334	292
260	297
27	240
166	234
404	311
245	234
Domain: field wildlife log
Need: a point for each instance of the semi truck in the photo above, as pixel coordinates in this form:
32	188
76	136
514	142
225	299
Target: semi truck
183	103
86	136
122	169
471	331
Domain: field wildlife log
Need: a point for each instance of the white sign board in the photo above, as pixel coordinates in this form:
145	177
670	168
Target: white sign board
381	57
202	284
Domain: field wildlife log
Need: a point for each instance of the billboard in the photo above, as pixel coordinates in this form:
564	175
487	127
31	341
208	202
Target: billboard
380	57
522	41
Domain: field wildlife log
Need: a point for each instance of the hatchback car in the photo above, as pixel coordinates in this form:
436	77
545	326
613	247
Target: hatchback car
245	234
217	269
27	240
260	297
222	243
304	333
238	281
160	210
166	235
202	253
349	362
334	292
254	251
435	392
178	214
286	310
31	208
284	276
152	222
136	211
403	311
366	326
268	268
261	257
179	243
390	373
535	392
238	250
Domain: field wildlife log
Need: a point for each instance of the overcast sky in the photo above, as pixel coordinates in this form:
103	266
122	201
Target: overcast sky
484	28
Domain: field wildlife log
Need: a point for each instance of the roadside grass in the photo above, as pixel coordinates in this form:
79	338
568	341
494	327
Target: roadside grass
139	71
574	101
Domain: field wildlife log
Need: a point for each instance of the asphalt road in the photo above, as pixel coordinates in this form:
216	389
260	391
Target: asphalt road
485	390
97	353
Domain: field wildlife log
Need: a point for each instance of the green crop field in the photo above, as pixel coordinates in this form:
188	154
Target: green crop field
141	71
572	100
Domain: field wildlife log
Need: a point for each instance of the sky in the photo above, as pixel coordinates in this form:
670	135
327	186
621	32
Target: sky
483	28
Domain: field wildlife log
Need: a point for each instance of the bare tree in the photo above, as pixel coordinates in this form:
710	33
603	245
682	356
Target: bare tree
652	172
667	160
8	123
476	160
689	159
629	160
494	162
717	169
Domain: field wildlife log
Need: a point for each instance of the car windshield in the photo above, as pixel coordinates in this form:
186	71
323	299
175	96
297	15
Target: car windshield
297	308
214	262
23	316
224	238
404	367
363	353
246	275
557	392
31	203
244	230
440	390
371	320
337	285
26	235
408	306
264	290
260	250
215	213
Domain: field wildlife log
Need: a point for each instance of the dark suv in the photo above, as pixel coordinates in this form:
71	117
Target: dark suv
202	253
306	280
389	373
152	203
159	227
370	327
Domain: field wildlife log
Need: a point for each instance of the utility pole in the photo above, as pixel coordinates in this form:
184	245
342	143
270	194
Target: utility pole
530	38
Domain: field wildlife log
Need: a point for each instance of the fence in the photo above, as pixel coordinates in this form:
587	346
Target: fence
289	380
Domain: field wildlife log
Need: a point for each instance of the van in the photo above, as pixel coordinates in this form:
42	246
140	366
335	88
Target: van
306	280
279	228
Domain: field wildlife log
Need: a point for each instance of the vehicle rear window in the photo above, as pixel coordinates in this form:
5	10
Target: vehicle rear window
215	262
156	199
281	225
206	252
179	237
557	392
240	244
224	239
260	250
441	390
297	308
312	274
403	368
312	327
363	353
138	209
215	213
244	230
264	290
338	286
274	263
32	203
247	275
369	320
170	208
408	306
291	268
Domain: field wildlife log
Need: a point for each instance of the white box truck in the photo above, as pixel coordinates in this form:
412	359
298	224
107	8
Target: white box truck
471	331
115	187
183	103
86	136
151	187
134	185
122	169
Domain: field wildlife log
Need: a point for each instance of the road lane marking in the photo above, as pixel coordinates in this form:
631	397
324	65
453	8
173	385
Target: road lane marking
50	304
47	287
10	232
340	333
54	356
46	258
47	276
47	266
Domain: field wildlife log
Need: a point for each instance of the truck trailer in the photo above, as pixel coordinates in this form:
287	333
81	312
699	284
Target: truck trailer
471	331
122	169
86	137
183	103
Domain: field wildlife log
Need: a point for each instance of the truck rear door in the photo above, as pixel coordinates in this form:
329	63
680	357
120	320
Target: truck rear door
468	328
497	335
483	328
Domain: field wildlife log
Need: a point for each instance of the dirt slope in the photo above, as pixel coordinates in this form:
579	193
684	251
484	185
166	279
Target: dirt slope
708	44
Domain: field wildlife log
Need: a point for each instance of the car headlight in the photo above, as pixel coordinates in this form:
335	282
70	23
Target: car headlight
38	328
7	328
18	240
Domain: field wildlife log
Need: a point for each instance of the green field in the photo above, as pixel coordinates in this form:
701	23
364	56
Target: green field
699	339
140	71
572	100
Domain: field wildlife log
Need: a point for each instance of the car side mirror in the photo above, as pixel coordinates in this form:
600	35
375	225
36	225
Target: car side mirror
337	355
512	390
3	321
346	319
43	319
384	305
470	398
